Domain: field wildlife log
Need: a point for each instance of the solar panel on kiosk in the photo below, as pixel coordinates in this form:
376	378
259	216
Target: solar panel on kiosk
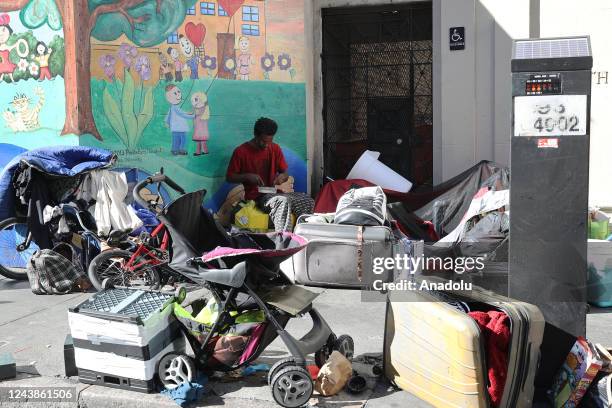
552	48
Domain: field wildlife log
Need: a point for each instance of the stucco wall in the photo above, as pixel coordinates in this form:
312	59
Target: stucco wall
471	87
593	17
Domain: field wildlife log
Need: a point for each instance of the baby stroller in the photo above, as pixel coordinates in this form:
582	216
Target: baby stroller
243	276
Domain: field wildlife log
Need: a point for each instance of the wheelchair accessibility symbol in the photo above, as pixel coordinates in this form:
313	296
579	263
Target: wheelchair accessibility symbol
456	38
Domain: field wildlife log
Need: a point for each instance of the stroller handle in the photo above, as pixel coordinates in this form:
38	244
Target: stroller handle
156	178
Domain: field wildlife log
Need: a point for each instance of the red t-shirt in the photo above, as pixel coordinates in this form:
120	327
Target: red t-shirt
268	163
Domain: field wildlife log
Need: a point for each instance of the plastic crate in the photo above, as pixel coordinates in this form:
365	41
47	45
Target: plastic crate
119	335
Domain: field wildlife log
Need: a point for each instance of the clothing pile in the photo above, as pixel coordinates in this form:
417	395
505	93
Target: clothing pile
67	196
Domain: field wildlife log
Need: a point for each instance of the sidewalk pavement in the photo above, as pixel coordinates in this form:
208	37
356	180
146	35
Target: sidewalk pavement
33	328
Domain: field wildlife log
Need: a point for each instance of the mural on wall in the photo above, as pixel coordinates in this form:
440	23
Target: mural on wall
183	94
32	60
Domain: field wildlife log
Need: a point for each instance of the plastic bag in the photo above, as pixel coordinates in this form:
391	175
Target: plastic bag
252	218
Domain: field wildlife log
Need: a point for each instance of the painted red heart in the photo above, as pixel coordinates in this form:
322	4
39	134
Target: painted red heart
195	33
231	6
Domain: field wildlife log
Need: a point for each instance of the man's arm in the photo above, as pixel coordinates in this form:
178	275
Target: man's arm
281	167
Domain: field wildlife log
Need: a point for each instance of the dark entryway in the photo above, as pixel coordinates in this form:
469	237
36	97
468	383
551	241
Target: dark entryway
377	87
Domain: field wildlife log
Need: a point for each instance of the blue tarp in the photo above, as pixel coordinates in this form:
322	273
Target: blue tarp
56	160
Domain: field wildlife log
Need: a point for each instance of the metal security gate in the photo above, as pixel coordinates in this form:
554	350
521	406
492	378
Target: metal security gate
377	87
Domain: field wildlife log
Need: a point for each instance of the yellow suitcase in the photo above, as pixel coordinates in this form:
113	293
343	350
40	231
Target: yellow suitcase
435	351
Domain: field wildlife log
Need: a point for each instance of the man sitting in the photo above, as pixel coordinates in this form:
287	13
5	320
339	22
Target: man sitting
260	163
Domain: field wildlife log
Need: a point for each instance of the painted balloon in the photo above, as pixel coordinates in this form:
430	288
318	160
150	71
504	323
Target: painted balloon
231	6
195	33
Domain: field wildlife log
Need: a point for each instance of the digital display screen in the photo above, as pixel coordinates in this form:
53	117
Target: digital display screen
544	84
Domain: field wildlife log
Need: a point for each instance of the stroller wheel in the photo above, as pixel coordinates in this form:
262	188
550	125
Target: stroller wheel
323	354
279	365
346	346
175	369
107	283
292	387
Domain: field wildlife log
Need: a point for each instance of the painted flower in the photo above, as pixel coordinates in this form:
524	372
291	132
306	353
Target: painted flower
267	62
209	62
142	66
229	64
128	54
284	61
33	68
23	65
107	62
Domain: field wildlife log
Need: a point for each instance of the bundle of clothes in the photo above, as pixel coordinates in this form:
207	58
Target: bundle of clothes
72	202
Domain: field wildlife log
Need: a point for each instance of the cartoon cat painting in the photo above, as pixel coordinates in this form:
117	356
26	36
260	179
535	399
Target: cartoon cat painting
23	116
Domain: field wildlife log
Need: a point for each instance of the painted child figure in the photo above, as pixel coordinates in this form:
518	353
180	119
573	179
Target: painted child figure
201	112
7	67
165	70
179	66
193	61
176	119
42	57
245	59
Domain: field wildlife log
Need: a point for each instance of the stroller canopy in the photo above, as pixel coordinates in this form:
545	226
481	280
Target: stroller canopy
195	234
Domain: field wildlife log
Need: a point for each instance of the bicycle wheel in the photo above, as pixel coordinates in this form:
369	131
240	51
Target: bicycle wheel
114	264
13	256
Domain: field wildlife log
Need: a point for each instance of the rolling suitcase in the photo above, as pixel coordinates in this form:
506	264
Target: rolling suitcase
341	256
437	352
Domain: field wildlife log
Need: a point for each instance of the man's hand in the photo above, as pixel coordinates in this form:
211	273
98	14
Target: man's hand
252	178
281	178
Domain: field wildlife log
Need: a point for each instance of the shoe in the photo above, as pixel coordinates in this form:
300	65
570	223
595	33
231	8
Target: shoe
197	154
174	153
183	153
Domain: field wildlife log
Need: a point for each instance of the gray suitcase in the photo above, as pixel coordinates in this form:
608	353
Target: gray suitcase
341	256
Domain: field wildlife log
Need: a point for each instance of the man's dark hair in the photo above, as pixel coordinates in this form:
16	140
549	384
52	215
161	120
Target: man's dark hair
265	126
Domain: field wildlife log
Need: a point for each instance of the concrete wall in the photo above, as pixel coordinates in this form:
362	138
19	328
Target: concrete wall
593	17
471	88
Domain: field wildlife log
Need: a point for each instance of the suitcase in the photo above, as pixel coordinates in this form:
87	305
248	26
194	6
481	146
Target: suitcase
119	336
341	256
436	352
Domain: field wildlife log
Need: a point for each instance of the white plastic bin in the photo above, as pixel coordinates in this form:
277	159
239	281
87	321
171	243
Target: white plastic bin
599	284
369	168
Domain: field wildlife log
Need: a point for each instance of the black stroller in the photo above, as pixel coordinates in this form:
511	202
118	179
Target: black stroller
242	273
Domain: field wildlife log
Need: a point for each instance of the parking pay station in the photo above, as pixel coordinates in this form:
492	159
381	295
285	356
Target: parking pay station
551	88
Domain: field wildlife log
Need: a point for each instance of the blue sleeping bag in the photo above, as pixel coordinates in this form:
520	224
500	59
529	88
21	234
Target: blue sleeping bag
56	160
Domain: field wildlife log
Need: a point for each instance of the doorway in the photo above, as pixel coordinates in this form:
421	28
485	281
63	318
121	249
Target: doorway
377	88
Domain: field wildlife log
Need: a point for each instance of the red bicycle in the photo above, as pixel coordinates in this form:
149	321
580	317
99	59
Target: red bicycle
145	265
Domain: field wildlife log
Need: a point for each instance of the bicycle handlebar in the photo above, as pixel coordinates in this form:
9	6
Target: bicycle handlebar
156	178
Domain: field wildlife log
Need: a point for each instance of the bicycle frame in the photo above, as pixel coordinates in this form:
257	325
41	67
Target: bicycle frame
143	251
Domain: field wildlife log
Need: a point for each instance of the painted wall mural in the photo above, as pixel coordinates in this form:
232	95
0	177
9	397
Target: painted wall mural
163	83
32	60
184	96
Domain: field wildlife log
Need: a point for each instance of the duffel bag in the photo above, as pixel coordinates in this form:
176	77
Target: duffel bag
54	271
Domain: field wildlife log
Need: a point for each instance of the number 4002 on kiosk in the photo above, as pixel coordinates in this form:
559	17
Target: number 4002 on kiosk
550	115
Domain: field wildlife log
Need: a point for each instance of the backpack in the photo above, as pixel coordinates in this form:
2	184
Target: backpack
54	271
363	206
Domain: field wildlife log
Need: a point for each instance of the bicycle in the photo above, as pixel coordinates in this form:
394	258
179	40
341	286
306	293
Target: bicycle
146	264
